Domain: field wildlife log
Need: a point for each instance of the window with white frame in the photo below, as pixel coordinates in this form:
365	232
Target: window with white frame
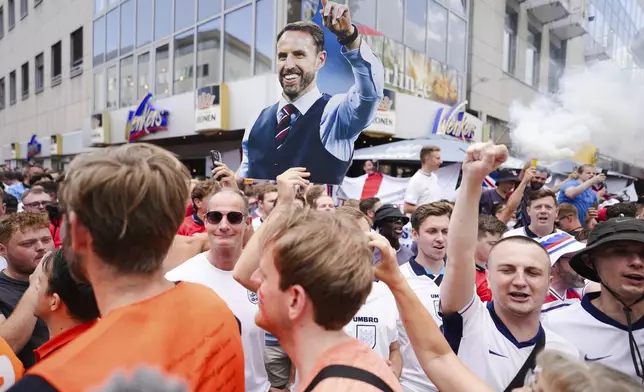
510	41
24	8
40	72
533	57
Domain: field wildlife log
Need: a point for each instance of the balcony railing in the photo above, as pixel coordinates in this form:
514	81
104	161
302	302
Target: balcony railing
547	11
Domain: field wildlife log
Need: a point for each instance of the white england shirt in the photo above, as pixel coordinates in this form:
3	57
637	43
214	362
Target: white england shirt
413	378
243	304
422	188
598	337
256	222
375	324
525	232
486	346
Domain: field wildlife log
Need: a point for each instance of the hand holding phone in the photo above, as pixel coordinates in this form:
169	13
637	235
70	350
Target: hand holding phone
215	156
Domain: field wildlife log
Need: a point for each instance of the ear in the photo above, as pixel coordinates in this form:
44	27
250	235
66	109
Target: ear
3	251
414	234
55	302
81	239
249	220
321	60
298	302
3	209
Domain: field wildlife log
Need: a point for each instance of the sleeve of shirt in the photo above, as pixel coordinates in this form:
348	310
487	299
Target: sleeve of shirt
562	192
243	166
347	115
32	383
412	194
468	323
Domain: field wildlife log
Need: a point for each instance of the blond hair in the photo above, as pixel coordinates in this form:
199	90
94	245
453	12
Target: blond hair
131	199
22	222
327	255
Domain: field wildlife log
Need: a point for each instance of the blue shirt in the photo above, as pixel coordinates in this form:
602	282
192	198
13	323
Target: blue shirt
16	190
346	115
582	202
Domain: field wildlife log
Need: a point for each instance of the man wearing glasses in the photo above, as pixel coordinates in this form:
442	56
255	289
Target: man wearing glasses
226	220
35	200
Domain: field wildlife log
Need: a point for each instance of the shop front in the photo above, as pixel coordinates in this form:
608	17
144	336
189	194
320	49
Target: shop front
50	151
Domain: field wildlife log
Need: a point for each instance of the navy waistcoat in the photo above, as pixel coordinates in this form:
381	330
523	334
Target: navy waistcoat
301	148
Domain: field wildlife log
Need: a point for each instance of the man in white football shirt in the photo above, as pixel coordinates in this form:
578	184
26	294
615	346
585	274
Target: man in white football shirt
542	209
226	222
496	340
423	186
608	326
424	274
566	286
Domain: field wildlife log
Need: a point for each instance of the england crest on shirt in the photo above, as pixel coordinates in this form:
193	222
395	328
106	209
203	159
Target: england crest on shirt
366	334
252	297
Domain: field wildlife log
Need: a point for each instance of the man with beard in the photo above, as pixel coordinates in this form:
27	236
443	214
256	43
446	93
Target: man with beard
123	206
389	222
542	209
565	284
24	240
608	326
497	340
312	272
424	273
307	128
537	182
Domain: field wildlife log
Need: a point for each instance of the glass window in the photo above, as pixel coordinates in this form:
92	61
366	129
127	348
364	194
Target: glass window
99	41
12	14
143	69
128	89
143	22
237	43
264	35
208	8
162	85
56	62
24	8
3	93
112	88
127	27
12	88
184	47
233	3
437	31
1	21
415	22
99	6
162	18
457	40
184	14
40	72
99	91
458	6
390	19
510	41
112	29
25	80
364	12
208	53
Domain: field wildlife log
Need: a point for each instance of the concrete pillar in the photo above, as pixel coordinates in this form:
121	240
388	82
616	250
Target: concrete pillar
522	36
545	59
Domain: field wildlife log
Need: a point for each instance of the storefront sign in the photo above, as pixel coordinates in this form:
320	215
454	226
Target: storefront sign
455	122
145	120
101	130
385	121
33	148
56	145
211	113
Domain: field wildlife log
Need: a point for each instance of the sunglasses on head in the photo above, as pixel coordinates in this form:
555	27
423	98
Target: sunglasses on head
233	217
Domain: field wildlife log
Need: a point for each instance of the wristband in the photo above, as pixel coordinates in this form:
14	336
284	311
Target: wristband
344	41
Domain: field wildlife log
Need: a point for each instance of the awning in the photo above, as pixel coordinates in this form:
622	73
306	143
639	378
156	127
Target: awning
452	150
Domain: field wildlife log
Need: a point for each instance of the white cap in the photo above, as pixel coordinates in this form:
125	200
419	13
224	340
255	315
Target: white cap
559	244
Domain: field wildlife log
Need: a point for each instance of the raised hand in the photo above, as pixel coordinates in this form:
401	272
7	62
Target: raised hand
224	175
387	269
482	159
336	18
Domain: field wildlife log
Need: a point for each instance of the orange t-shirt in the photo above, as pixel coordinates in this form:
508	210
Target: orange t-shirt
351	353
187	332
11	368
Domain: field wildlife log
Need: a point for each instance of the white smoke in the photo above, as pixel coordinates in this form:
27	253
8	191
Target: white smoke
600	104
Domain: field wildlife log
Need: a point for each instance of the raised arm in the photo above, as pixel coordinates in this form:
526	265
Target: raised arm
434	354
515	199
459	280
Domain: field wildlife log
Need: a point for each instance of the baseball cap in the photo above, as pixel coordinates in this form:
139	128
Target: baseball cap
390	211
612	230
559	244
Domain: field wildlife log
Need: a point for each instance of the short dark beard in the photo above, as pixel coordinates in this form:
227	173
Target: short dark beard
307	79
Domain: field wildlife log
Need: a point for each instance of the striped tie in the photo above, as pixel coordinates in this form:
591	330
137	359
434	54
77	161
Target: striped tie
284	123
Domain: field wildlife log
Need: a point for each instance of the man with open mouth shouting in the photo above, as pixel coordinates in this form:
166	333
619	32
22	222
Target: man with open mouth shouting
307	128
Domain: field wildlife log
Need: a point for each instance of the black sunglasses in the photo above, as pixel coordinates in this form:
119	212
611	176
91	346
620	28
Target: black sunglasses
233	217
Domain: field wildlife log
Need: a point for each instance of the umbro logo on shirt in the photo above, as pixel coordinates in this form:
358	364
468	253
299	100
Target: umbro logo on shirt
594	359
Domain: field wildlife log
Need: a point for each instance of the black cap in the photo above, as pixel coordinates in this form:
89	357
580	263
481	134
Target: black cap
612	230
390	211
507	176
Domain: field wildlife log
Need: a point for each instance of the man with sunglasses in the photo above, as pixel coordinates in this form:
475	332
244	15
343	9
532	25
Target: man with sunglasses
226	220
389	222
608	326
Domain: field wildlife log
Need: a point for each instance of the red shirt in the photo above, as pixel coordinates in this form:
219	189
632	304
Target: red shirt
55	233
190	227
59	341
482	289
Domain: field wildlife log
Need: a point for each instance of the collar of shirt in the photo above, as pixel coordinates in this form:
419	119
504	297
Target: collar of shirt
421	270
58	341
197	220
303	103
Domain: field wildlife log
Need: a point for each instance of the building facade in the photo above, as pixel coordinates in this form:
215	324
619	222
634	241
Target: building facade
45	79
518	50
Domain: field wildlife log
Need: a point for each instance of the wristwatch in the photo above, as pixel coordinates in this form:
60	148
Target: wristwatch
346	40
